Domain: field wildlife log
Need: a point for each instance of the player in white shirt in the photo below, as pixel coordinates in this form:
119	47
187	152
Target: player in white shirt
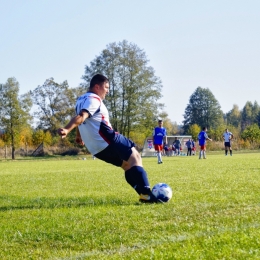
228	136
95	131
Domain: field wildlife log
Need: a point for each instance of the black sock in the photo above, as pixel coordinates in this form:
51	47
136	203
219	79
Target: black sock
226	152
137	178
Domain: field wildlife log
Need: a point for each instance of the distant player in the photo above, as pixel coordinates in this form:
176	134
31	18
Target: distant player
193	147
177	145
189	147
166	149
202	136
159	135
227	136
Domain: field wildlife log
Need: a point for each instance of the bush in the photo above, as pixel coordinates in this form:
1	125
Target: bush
71	151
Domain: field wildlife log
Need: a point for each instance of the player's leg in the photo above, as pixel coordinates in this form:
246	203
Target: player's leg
226	149
230	149
204	152
159	156
158	150
201	151
137	177
135	174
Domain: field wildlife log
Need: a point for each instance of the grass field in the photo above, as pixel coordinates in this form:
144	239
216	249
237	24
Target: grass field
84	209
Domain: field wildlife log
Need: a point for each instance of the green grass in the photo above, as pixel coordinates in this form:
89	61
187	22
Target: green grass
76	209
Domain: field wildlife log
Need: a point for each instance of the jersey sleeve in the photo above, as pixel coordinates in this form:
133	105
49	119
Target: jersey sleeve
91	104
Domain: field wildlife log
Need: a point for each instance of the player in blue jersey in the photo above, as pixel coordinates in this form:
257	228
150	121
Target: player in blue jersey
95	131
159	137
177	146
202	136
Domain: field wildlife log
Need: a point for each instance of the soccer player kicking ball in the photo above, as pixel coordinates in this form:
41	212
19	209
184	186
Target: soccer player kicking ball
228	136
95	131
202	136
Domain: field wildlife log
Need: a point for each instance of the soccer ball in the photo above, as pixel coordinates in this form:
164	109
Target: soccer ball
162	191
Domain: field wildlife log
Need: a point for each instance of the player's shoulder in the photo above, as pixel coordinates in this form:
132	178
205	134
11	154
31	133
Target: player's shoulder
90	95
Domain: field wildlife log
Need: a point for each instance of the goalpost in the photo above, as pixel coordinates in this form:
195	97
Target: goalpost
148	149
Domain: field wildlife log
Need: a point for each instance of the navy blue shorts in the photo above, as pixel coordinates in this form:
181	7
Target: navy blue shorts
227	144
118	151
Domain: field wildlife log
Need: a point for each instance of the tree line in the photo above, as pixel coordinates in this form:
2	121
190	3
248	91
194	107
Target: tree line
133	103
204	110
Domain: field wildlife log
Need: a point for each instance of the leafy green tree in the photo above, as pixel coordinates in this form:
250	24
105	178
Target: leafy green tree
14	112
171	127
217	133
134	88
233	117
55	104
249	114
39	136
26	136
203	109
251	133
194	131
258	118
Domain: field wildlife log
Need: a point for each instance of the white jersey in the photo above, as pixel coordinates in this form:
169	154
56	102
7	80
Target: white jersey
96	131
227	136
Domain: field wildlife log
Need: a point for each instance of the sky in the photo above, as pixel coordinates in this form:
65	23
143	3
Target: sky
213	44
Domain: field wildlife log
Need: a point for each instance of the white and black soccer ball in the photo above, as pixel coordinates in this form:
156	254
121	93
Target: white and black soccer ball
162	191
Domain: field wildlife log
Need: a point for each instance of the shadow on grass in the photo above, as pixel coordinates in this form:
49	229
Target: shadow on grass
19	203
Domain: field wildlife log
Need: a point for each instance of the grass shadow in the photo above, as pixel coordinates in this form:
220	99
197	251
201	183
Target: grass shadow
20	203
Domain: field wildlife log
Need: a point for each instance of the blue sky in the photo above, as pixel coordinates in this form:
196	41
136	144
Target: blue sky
214	44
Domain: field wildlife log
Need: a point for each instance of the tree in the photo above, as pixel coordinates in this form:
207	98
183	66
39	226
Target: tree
55	104
171	127
217	133
258	119
203	109
14	113
249	114
38	137
251	133
234	116
26	136
194	131
134	88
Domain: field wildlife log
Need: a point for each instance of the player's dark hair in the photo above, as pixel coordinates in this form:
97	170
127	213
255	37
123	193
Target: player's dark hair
98	79
204	128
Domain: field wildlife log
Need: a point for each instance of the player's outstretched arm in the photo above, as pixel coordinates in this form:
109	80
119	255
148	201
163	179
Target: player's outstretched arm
74	122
